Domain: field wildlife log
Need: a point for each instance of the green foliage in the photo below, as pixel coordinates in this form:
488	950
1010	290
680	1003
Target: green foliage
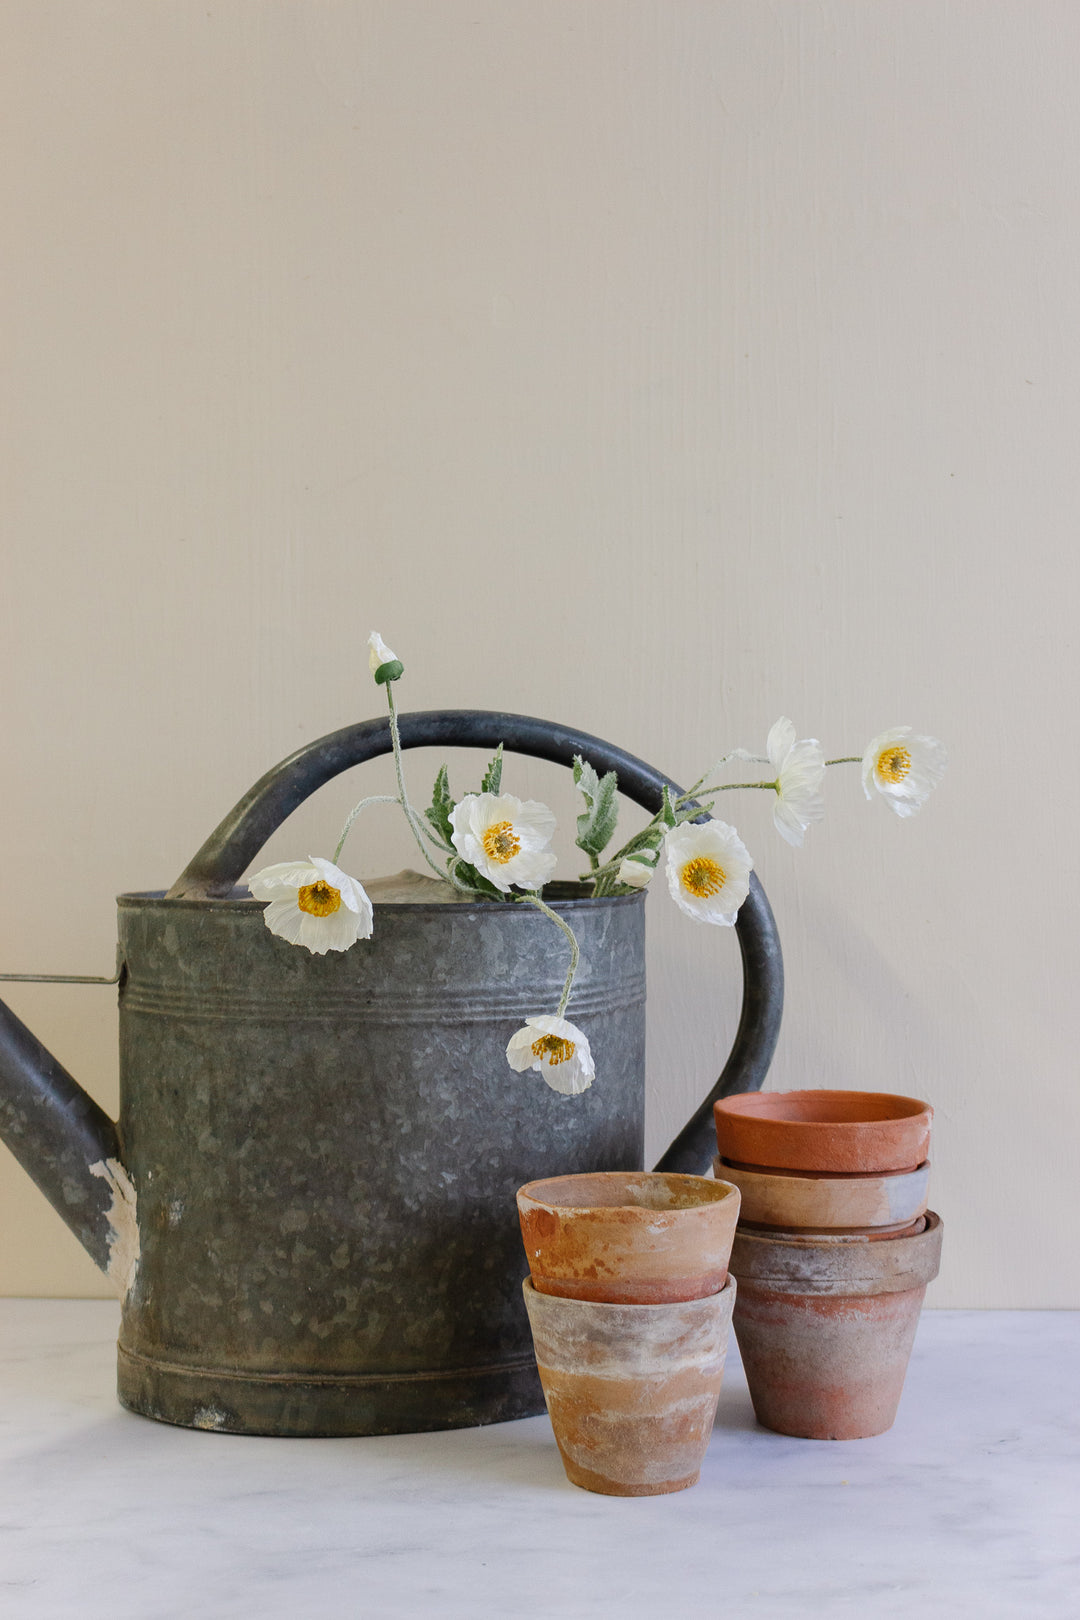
596	824
393	670
650	838
438	811
493	775
470	878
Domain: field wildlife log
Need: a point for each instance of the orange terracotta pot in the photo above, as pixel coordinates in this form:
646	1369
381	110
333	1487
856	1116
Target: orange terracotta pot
634	1237
825	1329
631	1390
835	1132
822	1203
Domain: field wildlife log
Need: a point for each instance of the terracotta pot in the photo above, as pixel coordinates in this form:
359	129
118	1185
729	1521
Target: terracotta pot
820	1203
631	1390
825	1329
632	1237
837	1132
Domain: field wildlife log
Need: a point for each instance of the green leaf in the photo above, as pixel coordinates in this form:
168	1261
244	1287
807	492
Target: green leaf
493	775
392	671
472	879
667	809
438	812
650	838
596	824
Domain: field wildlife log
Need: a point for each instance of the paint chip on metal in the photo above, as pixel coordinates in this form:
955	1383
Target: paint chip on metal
123	1225
209	1417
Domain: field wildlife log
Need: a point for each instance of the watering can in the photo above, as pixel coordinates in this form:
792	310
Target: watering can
307	1204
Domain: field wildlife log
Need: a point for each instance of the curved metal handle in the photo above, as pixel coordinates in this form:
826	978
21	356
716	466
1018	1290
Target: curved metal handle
233	845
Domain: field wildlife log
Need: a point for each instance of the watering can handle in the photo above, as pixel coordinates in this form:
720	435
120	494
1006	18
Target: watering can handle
233	845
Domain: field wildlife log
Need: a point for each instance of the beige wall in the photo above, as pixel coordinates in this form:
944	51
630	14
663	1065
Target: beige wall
657	367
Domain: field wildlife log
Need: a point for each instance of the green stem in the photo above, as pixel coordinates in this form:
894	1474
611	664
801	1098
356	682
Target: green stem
736	753
575	951
376	798
848	759
410	814
727	787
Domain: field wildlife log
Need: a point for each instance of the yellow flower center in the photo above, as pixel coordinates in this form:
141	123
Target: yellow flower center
500	844
553	1049
319	899
893	763
703	876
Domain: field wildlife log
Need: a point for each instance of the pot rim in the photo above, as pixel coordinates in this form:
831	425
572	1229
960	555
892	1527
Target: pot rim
779	1172
707	1193
769	1263
706	1305
753	1106
814	1178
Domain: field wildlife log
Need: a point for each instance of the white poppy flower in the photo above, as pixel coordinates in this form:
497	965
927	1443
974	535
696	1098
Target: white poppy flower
506	840
800	771
636	871
708	870
379	653
313	903
558	1049
904	768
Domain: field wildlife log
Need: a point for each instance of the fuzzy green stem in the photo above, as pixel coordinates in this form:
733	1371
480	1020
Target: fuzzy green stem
575	950
726	759
848	759
727	787
410	814
376	798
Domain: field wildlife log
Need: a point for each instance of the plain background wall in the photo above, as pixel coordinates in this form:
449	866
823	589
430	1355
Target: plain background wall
656	367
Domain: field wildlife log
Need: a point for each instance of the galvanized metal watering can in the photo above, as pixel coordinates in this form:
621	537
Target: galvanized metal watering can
307	1204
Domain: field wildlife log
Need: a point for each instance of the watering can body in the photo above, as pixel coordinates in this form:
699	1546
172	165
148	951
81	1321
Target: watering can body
307	1204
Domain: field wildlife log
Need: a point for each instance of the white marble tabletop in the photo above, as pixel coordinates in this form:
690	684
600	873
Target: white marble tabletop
969	1507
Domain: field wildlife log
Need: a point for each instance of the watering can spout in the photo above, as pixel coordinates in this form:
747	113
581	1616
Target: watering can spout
69	1147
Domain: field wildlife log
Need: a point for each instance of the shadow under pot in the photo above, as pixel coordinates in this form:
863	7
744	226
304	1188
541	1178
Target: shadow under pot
829	1132
631	1390
825	1328
632	1237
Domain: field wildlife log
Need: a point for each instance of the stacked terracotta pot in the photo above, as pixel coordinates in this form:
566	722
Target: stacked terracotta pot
833	1253
630	1303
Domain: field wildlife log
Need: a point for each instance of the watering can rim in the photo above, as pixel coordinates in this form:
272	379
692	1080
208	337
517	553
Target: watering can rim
240	899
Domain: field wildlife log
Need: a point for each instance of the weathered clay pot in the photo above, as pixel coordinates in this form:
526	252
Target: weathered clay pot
825	1329
821	1203
631	1390
633	1237
837	1132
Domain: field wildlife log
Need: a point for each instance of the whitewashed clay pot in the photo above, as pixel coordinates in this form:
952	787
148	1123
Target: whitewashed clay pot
631	1390
825	1328
820	1203
628	1237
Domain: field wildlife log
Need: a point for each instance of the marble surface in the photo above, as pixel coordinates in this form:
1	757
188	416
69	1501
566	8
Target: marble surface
969	1507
